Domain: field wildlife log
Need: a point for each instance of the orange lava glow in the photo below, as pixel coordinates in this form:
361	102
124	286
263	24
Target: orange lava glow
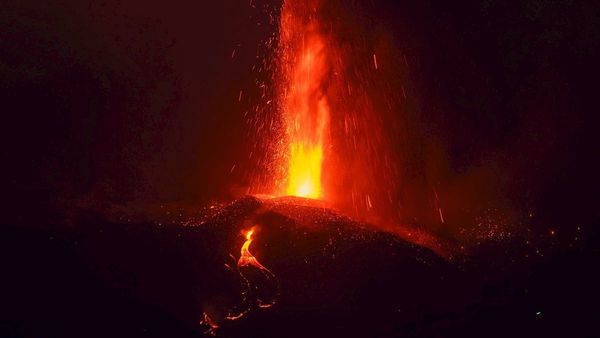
303	102
335	131
267	284
246	258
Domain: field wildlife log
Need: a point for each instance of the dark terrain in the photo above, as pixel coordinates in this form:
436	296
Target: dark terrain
336	278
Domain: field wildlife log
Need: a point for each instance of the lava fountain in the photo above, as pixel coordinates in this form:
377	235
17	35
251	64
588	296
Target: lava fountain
337	110
304	105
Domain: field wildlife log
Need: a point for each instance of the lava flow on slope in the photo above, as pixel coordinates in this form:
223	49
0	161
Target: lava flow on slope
322	267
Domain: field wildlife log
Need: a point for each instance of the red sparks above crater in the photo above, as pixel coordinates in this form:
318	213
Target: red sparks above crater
327	126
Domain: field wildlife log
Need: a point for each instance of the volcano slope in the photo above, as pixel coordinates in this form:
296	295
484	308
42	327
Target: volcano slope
335	275
327	275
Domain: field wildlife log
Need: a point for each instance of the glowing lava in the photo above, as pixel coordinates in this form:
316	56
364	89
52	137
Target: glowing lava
260	288
210	323
303	102
263	287
246	258
330	123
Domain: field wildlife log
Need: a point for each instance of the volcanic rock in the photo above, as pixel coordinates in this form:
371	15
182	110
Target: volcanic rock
333	275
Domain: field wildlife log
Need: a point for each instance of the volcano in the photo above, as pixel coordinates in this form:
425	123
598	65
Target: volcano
299	168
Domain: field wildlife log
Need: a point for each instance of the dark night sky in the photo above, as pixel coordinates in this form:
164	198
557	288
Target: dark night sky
131	101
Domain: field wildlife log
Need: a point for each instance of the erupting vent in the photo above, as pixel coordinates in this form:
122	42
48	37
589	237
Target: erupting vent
303	102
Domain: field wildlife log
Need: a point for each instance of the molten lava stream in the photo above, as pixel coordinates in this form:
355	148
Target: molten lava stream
261	283
246	258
